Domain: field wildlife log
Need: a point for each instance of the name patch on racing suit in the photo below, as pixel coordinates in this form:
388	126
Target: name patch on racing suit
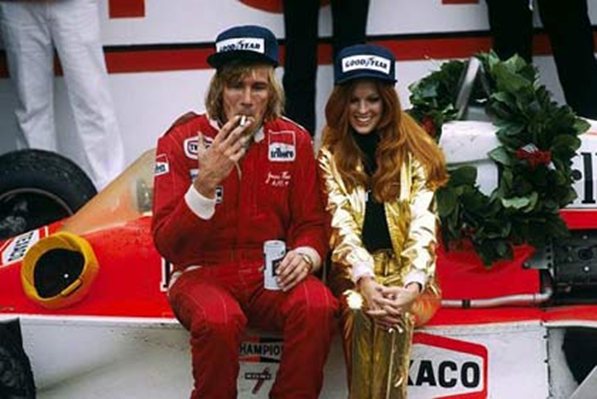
278	179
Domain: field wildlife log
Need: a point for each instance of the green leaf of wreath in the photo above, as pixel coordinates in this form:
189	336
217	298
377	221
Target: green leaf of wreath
538	140
500	155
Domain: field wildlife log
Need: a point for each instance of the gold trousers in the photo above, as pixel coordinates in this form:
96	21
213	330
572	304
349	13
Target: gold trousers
377	360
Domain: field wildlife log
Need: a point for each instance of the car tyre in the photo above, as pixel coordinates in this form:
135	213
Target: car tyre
38	187
16	377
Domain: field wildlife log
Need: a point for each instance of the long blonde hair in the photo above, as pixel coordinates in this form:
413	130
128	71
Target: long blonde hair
233	72
399	135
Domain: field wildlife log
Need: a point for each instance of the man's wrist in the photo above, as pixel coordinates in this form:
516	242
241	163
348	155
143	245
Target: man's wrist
205	186
308	260
314	260
199	204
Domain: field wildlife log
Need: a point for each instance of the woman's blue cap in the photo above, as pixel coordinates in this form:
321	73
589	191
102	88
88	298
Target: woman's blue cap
364	61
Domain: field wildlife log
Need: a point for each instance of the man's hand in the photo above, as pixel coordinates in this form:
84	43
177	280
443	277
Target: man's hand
216	162
293	269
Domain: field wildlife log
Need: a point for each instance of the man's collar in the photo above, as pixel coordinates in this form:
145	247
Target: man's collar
259	135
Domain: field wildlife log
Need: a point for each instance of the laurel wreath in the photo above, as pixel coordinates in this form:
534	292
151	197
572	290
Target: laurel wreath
538	140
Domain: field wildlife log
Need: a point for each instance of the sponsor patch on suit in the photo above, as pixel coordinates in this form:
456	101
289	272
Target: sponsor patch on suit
219	189
191	146
161	166
281	146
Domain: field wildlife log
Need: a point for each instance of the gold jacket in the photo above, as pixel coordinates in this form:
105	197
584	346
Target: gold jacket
377	359
412	222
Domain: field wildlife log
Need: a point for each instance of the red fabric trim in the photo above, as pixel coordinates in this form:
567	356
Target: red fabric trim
126	8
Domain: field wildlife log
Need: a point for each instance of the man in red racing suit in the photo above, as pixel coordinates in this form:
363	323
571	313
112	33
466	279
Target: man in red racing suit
220	193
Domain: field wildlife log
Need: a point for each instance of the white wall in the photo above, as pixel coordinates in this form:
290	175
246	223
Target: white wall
148	102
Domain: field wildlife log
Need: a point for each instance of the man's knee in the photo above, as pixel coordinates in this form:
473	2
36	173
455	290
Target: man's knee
216	318
312	299
212	323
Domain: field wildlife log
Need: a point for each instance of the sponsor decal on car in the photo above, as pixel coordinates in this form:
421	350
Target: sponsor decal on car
584	172
167	268
447	368
282	146
259	363
15	248
261	350
259	377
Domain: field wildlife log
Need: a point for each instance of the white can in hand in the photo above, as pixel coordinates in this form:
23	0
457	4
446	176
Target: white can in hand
273	251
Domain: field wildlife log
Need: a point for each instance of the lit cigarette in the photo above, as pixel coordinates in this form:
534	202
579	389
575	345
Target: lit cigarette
243	120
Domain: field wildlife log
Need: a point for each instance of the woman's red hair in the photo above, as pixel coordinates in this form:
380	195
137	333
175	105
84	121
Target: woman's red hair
399	135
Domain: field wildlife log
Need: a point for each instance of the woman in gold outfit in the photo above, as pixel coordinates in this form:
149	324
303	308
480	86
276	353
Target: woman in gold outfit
380	171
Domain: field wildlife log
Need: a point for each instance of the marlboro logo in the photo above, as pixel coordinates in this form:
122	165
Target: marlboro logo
282	146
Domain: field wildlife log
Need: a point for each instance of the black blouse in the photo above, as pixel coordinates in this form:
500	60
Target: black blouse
376	235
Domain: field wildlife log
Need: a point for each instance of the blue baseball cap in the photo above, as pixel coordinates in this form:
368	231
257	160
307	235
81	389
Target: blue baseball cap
364	61
247	42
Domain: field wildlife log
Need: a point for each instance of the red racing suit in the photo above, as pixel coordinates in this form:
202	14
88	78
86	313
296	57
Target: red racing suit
273	194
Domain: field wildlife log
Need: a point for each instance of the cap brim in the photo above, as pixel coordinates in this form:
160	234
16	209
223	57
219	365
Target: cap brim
216	60
365	75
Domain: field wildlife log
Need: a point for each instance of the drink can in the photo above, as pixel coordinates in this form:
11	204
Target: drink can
273	251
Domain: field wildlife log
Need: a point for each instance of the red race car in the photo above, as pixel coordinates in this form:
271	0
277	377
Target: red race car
83	308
